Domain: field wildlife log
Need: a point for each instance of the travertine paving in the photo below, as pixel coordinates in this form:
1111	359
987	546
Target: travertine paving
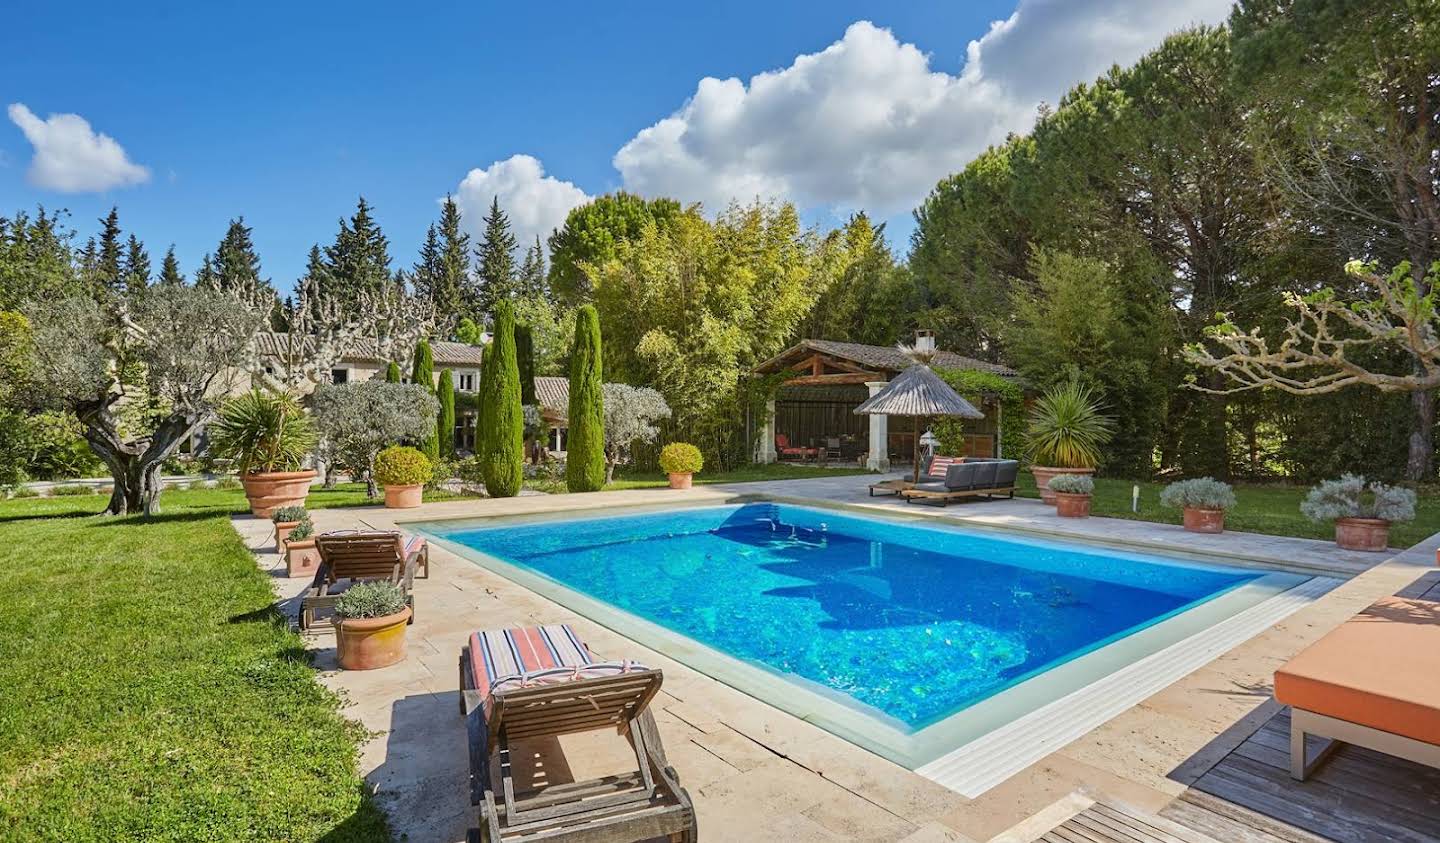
757	773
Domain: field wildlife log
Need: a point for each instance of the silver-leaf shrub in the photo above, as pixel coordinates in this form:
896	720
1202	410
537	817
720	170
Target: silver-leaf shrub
1349	497
1199	493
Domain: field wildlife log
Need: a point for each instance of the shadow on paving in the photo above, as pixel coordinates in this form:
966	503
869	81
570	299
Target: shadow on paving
424	782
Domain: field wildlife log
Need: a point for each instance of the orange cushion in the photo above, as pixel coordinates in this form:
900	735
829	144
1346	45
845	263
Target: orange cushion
1380	669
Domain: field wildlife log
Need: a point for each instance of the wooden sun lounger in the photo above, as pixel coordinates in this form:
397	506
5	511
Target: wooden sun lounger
647	803
358	556
944	496
1374	681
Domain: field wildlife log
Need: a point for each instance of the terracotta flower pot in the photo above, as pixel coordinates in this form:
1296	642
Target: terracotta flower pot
1199	520
404	497
368	643
301	558
1044	473
282	532
267	491
681	481
1071	506
1369	534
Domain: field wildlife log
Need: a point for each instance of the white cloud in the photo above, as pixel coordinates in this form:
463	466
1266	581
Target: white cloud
71	157
868	123
534	202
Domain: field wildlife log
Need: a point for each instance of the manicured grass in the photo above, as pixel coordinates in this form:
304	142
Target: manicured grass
744	474
150	691
1273	510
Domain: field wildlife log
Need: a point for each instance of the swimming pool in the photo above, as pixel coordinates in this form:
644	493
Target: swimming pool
905	637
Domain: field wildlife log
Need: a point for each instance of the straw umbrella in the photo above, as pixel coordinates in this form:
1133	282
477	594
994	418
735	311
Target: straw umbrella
920	393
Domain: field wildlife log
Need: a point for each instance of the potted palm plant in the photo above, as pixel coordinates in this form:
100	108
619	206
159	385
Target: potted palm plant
1065	436
403	471
370	620
285	519
268	437
1362	514
301	555
681	460
1072	494
1203	501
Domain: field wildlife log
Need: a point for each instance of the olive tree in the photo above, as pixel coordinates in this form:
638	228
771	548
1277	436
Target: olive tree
173	352
358	420
630	416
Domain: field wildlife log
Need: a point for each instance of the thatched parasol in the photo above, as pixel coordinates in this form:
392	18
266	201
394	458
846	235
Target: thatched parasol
920	393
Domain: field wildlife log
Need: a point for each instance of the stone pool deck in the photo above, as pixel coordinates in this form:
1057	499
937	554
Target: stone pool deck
758	773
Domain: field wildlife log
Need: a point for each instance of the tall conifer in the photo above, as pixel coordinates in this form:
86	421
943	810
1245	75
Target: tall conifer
585	448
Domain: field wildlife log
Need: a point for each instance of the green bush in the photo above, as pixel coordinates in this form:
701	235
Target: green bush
1349	497
401	465
227	484
392	373
24	492
70	491
1199	493
373	599
502	459
585	448
303	530
1067	429
287	514
1072	484
681	458
262	433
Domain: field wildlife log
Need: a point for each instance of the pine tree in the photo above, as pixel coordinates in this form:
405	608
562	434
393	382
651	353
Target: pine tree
525	352
423	374
452	281
445	422
503	461
532	272
392	373
170	274
108	272
137	265
426	272
358	262
236	265
205	275
496	258
585	449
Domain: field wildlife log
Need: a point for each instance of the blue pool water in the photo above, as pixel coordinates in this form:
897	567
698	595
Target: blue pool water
915	622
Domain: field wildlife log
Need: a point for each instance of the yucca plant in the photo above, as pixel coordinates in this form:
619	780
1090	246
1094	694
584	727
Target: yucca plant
262	433
1067	429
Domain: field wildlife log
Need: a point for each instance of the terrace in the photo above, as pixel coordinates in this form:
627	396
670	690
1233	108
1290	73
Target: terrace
1186	745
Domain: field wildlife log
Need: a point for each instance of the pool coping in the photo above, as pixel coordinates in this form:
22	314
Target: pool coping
1054	706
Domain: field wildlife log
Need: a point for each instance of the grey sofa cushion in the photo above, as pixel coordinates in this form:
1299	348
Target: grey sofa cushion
984	475
961	477
1006	472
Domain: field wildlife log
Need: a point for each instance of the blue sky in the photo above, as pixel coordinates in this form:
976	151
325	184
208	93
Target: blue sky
285	113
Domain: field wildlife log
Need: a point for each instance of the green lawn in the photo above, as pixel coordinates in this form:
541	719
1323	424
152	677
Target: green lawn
745	474
148	689
1274	510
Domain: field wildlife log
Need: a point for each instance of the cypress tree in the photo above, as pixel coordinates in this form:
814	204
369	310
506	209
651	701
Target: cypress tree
585	450
503	460
445	422
525	351
392	373
424	374
484	407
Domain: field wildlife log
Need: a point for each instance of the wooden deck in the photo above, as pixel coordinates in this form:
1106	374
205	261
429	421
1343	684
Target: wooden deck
1106	822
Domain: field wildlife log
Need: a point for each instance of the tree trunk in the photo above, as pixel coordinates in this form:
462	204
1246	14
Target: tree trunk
609	472
134	463
1420	464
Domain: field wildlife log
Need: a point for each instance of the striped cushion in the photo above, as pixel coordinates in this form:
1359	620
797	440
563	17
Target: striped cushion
505	659
939	465
415	543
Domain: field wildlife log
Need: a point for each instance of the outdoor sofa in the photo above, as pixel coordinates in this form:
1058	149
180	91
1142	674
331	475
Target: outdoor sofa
541	682
358	555
965	478
1374	681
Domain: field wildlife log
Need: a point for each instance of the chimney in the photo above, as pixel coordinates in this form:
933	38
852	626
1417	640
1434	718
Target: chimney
925	341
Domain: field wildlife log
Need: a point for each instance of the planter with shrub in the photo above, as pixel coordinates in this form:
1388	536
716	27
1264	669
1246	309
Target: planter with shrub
1072	494
403	471
1362	514
286	518
370	620
268	437
302	558
1203	500
681	460
1065	436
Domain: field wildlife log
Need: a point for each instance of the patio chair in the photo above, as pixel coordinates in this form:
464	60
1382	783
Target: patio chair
785	449
970	478
355	556
1373	681
541	682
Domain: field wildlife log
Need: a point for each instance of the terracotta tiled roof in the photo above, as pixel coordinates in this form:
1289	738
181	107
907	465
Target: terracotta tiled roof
446	354
553	394
878	357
